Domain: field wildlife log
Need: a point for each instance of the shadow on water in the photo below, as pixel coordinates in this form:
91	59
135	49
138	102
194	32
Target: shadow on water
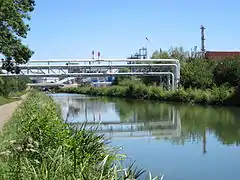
138	119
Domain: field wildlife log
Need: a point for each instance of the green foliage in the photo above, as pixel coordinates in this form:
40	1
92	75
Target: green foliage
4	100
121	78
227	72
43	146
13	28
37	144
160	55
197	73
216	95
174	52
10	85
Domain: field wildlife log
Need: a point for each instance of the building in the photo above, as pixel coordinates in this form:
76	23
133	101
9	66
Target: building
221	55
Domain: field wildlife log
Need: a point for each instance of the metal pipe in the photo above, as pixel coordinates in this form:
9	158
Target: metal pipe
99	74
176	66
94	66
102	60
94	74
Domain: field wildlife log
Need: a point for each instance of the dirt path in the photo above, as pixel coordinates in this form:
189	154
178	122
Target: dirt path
7	110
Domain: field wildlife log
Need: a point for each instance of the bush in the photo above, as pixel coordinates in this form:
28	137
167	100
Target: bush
197	73
227	72
12	84
216	95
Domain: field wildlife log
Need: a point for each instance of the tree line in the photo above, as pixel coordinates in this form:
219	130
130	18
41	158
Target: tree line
196	72
203	73
14	18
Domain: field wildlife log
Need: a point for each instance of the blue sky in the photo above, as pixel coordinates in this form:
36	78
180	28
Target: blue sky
73	28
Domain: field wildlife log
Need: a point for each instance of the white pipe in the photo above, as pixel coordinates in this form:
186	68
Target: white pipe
102	60
94	66
177	71
92	74
97	74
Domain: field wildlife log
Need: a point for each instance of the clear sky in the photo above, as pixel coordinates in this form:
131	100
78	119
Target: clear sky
73	28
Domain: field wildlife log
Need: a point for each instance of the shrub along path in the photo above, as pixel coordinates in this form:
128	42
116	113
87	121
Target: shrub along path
7	110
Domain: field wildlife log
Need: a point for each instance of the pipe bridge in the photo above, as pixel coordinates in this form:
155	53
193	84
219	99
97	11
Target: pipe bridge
83	68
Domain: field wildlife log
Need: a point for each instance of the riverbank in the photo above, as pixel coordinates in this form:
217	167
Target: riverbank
214	96
37	144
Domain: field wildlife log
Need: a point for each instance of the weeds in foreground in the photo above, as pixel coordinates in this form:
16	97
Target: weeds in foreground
36	144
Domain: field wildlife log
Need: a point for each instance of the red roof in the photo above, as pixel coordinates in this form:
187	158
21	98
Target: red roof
220	55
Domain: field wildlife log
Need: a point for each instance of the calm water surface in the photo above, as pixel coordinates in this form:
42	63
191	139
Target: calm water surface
182	142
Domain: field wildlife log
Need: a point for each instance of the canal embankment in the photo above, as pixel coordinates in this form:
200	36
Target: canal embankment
37	144
215	96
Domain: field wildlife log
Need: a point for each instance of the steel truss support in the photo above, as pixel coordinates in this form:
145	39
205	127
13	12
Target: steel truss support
73	68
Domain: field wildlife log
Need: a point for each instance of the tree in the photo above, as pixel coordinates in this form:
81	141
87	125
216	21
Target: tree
13	28
175	53
197	73
178	53
227	72
160	55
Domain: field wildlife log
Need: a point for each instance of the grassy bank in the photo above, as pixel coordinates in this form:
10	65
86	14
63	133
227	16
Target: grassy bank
4	100
214	96
37	144
13	96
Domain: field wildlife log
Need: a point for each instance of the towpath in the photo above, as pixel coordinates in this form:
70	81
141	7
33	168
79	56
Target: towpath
7	110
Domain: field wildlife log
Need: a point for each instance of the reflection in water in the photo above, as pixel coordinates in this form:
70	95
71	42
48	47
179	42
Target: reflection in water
180	123
137	119
164	124
204	140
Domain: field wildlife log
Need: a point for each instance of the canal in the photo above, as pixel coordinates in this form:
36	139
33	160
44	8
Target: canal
183	142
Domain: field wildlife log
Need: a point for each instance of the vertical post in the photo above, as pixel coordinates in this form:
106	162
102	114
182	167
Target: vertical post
202	41
92	55
98	70
98	55
48	68
168	81
177	74
160	80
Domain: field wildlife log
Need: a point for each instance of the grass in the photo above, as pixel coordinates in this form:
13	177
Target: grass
37	144
4	100
13	96
17	94
214	96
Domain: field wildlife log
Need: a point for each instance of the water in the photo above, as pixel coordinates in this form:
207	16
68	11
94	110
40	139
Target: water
182	142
